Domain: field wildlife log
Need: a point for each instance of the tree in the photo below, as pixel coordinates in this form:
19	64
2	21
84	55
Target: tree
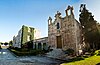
5	43
89	28
10	43
1	43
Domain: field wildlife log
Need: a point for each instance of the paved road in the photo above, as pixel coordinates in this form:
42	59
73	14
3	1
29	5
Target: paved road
7	58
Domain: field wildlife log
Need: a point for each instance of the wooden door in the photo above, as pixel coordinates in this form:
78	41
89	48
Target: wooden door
59	42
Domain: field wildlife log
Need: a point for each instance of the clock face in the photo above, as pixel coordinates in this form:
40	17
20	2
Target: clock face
58	25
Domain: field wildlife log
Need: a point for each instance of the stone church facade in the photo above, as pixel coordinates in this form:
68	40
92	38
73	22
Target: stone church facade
65	32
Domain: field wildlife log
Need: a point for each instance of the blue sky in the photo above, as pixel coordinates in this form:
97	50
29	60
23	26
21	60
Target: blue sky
35	13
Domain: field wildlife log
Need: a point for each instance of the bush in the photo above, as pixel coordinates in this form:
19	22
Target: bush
26	52
0	47
97	53
85	56
18	49
69	51
24	49
77	59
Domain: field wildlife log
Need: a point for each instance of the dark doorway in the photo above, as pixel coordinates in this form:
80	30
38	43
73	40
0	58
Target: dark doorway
39	46
59	42
44	46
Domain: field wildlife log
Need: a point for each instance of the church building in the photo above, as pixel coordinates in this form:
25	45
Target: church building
65	32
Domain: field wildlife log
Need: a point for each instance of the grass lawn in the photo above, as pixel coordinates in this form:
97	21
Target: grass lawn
93	60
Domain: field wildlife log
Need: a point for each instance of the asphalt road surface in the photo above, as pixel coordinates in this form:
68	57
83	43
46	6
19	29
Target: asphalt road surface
7	58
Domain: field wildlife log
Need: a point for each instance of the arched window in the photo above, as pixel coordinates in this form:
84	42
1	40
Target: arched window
58	26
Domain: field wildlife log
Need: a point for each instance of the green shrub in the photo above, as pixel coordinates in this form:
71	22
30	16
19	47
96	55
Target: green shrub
24	49
26	52
97	53
0	47
77	59
18	49
85	56
69	51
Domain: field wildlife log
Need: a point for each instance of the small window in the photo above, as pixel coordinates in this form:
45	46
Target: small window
58	26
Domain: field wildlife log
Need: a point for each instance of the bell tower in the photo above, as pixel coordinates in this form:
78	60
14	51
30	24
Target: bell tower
49	20
69	8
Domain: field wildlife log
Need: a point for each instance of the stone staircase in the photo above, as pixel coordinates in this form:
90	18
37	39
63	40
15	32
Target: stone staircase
55	53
